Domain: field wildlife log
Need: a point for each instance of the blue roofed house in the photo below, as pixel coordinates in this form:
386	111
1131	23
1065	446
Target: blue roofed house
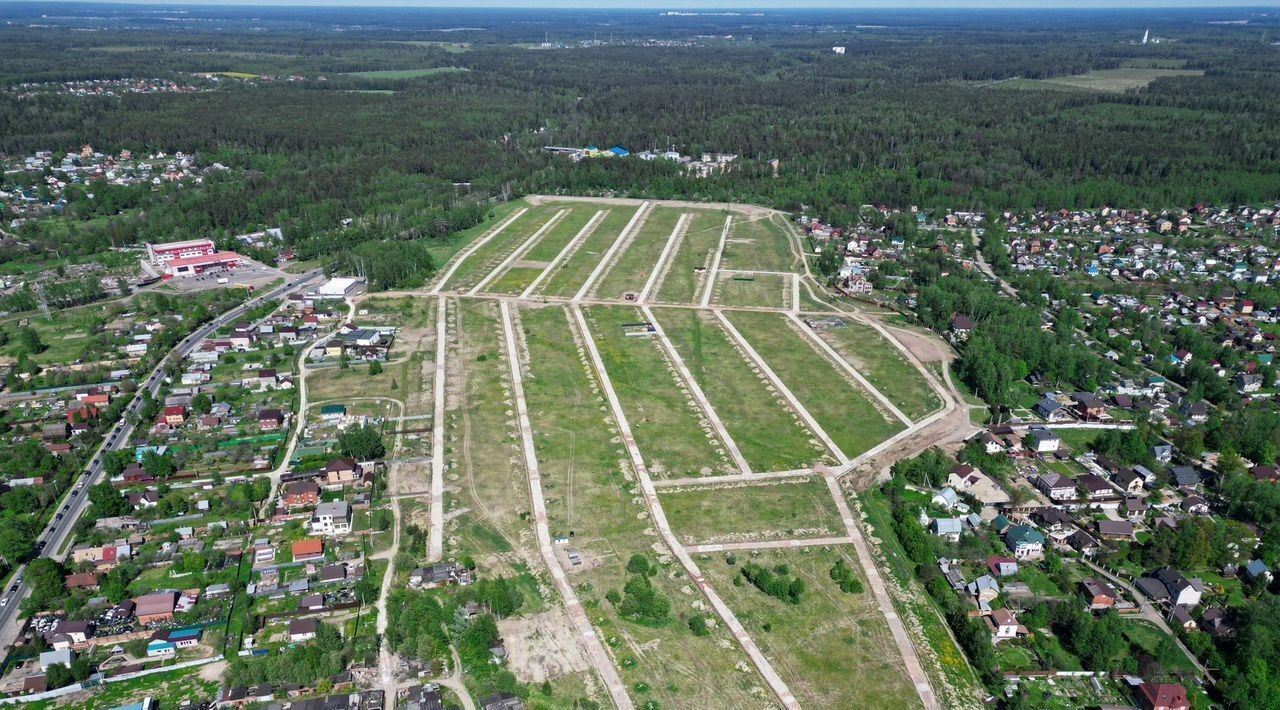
619	151
1025	542
1051	410
1257	569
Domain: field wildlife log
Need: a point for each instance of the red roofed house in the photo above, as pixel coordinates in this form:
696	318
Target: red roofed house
155	607
175	415
1164	696
301	493
310	549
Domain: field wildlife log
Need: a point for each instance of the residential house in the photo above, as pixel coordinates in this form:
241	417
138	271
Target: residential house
156	607
1098	594
270	419
1004	625
945	499
949	528
1056	486
1163	696
299	494
1043	441
331	519
1095	487
1002	566
1026	542
1051	410
1115	530
1185	476
301	630
307	550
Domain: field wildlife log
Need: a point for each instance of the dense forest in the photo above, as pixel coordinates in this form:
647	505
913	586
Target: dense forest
916	113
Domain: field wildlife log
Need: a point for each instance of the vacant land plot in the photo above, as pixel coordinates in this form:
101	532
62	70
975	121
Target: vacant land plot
841	408
770	436
884	366
776	510
687	271
442	251
590	492
757	245
404	73
834	648
632	266
540	255
669	429
577	267
486	488
489	255
752	290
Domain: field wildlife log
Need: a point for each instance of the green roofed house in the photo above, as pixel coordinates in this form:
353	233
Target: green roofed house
1000	524
1025	542
330	412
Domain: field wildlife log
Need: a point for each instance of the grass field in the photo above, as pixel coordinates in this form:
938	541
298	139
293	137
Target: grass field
777	510
884	366
490	255
589	490
1112	80
405	73
540	255
682	282
833	649
442	251
769	435
484	473
757	245
840	408
632	266
665	420
577	267
752	290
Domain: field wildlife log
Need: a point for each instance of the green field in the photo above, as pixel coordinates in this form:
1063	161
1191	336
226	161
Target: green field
489	255
405	73
525	270
664	419
682	282
752	290
843	410
777	510
758	245
590	491
769	435
833	649
884	366
576	268
1110	80
484	473
639	257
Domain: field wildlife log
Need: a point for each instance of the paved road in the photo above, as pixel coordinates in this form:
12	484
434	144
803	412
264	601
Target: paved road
76	502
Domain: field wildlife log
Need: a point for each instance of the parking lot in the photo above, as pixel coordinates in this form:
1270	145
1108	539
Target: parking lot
251	273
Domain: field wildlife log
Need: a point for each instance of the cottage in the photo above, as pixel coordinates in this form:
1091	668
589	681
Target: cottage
984	588
949	528
1163	696
1051	410
1025	541
1043	441
331	519
1056	486
270	419
301	630
1002	566
1004	625
1115	530
1098	594
299	494
307	550
156	607
1185	476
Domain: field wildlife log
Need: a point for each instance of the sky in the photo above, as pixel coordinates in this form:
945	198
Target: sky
693	5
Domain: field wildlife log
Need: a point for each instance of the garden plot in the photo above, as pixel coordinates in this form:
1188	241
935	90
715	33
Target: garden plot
770	436
687	271
591	493
839	406
833	648
486	491
574	270
529	265
752	290
758	244
632	266
669	428
782	509
884	366
489	255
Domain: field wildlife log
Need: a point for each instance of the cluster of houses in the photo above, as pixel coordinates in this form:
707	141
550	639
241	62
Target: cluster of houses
342	695
101	87
1079	506
357	343
88	167
705	165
